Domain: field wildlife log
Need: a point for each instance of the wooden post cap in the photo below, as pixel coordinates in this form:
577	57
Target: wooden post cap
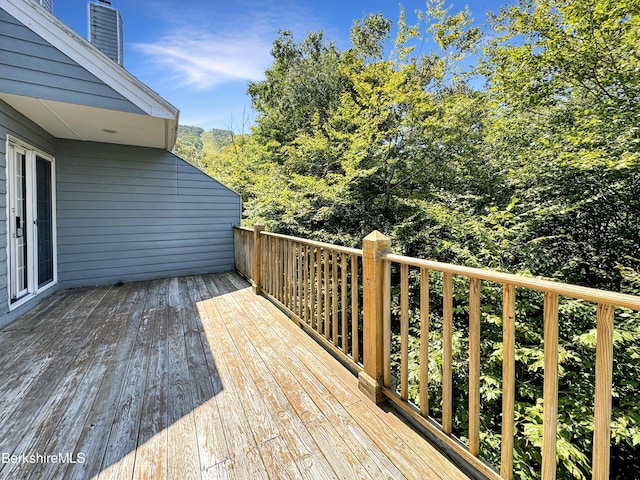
378	237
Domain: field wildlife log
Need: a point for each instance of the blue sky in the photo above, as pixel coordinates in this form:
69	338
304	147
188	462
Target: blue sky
201	54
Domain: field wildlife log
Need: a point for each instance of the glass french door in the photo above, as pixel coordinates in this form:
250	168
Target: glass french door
31	222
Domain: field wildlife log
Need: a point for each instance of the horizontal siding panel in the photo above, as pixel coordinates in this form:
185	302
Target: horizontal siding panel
135	273
202	258
58	93
186	169
142	244
127	248
61	66
122	216
32	67
202	182
125	170
143	188
97	224
112	215
127	160
123	156
204	251
14	31
217	204
108	191
149	229
198	192
151	177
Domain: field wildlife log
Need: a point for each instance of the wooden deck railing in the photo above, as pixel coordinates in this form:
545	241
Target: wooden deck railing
320	286
317	283
243	250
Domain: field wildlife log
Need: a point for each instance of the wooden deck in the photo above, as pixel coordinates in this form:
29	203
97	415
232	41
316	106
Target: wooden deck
192	377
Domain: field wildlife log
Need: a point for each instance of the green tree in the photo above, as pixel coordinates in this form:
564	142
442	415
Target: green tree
538	173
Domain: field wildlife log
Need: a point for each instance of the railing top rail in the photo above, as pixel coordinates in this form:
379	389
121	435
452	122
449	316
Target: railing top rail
313	243
247	229
575	291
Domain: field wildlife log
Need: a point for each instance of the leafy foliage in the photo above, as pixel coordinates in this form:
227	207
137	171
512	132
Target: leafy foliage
537	173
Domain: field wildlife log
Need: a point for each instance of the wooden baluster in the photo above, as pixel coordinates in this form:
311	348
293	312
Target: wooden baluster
550	387
334	297
274	265
386	322
265	261
318	289
278	274
447	352
283	252
305	283
404	331
355	309
288	278
236	246
508	379
343	300
424	342
312	287
292	276
287	274
280	277
604	379
271	266
248	253
257	258
474	366
327	297
300	282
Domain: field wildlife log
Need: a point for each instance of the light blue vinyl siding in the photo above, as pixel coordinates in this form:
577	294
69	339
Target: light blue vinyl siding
15	124
123	213
130	213
32	67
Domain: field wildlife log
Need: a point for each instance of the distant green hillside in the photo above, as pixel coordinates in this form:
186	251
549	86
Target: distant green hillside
195	143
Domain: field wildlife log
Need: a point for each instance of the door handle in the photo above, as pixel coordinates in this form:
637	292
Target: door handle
19	228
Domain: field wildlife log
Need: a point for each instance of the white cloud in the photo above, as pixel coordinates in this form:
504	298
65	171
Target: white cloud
203	60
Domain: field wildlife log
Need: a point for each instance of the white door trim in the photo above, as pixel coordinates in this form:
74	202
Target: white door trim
30	225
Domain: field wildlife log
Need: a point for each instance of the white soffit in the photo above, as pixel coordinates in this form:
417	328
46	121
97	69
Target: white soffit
78	122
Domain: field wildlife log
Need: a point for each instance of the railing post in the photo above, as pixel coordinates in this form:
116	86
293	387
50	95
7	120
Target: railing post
370	379
257	258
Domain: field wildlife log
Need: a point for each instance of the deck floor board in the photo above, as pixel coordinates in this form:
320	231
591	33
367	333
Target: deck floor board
189	378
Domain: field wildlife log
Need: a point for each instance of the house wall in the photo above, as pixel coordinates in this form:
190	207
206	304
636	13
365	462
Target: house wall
15	124
123	213
32	67
131	213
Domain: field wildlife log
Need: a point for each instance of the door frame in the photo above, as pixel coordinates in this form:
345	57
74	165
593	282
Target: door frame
31	215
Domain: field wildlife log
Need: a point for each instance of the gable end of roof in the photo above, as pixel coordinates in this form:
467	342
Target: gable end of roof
51	29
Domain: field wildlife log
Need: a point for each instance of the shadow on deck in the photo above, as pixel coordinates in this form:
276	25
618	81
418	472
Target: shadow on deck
191	377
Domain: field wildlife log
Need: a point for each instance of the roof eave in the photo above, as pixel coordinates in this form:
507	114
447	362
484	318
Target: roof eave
54	31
